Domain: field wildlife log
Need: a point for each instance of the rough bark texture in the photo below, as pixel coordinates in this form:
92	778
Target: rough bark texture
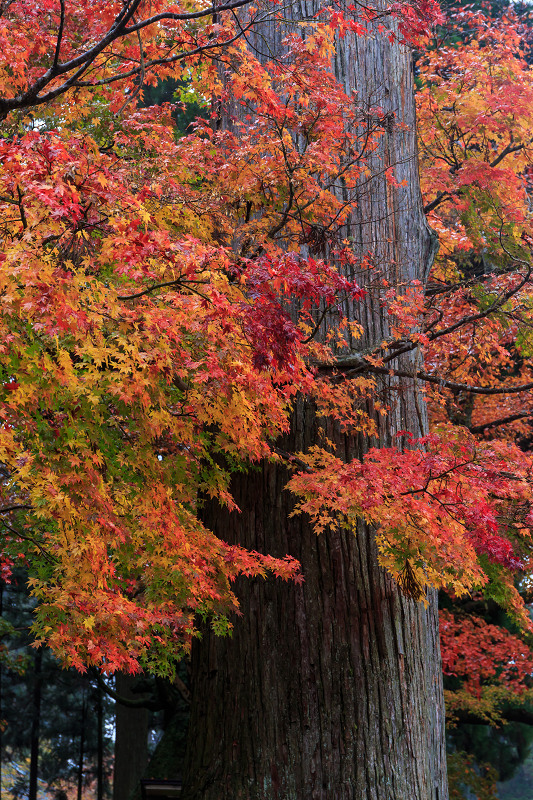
330	690
326	690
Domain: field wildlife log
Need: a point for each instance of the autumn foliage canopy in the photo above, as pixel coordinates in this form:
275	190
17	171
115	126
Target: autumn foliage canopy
166	300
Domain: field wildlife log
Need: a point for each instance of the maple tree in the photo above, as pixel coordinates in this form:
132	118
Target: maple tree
168	302
135	348
148	346
474	110
474	107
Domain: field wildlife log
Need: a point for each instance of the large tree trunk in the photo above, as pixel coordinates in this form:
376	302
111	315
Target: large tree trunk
326	690
330	690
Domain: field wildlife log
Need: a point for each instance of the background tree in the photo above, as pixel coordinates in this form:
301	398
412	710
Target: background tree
66	710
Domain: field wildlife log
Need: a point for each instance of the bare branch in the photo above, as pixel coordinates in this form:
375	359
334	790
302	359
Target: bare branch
206	12
440	198
511	148
290	458
156	286
27	538
464	716
146	702
446	384
495	306
356	364
59	35
495	423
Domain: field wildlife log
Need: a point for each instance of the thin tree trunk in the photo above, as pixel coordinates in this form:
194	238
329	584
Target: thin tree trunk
131	740
331	690
1	697
81	754
35	725
100	745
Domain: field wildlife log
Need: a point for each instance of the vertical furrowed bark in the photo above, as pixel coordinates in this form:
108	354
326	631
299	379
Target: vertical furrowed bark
331	690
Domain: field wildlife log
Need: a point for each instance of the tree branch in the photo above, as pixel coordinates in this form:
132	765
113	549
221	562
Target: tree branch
495	423
59	35
157	286
445	384
118	29
48	556
464	717
148	702
442	196
206	12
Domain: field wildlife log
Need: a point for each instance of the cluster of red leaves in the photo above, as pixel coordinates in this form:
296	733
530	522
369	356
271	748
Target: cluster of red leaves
481	654
270	329
415	19
438	507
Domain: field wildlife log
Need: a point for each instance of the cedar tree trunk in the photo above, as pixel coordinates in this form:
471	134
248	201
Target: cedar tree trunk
331	689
